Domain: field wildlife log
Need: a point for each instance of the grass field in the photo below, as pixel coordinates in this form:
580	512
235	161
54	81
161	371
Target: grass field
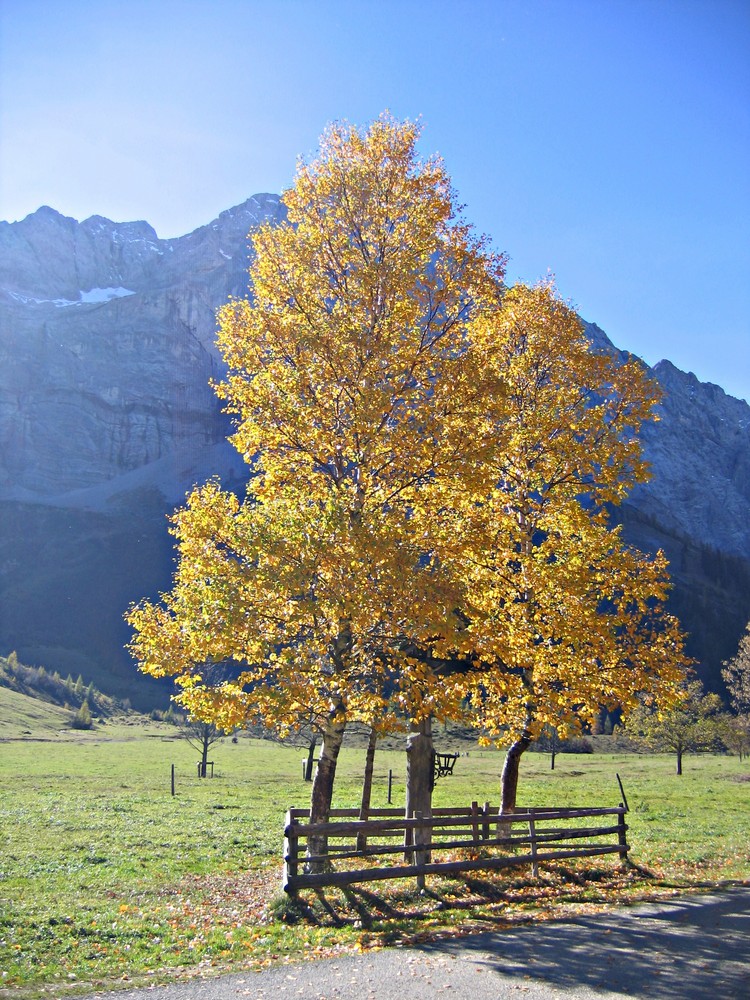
105	877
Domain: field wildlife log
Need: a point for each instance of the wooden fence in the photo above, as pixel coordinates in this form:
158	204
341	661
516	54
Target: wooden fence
461	839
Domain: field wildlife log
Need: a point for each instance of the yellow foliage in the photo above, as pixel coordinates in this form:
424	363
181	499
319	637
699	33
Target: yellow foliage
562	616
344	371
432	456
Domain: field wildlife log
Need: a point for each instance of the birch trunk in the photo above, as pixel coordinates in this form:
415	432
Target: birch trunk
322	789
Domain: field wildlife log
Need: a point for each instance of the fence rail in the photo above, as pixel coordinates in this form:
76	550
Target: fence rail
468	839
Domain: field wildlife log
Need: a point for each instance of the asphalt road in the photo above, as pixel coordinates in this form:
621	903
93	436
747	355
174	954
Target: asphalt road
689	948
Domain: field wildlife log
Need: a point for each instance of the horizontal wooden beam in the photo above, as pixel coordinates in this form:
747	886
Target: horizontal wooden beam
547	837
308	881
375	826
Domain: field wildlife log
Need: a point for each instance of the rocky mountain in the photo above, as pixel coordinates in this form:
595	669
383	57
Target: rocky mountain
107	417
107	346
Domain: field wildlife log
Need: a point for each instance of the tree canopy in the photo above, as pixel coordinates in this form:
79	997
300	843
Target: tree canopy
432	456
557	602
562	616
351	386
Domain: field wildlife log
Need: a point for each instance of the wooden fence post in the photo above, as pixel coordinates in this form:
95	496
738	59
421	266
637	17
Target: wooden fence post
420	855
622	839
475	822
291	849
532	837
486	821
622	792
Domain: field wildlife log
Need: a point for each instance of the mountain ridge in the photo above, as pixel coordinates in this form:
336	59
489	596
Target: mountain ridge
107	348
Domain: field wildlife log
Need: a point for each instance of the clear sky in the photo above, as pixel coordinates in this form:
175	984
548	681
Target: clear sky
607	141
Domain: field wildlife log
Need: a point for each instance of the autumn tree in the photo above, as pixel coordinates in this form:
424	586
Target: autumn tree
736	674
735	734
433	458
692	725
561	616
81	719
352	390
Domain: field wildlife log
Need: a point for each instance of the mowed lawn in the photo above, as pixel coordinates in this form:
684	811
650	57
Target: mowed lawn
105	876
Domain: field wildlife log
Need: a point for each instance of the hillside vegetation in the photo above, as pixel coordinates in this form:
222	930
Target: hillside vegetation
84	568
36	702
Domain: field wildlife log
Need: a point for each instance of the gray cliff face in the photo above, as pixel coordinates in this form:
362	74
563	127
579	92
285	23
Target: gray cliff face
107	345
699	452
107	350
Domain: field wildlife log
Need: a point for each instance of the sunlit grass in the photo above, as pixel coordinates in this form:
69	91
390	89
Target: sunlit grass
105	875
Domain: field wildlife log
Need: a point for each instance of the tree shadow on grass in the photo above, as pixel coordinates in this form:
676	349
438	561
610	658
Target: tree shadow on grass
399	911
486	897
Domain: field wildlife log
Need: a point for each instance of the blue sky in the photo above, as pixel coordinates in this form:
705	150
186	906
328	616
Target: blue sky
607	141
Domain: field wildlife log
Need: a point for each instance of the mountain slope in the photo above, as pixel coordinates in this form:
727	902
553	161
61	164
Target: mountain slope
107	417
22	715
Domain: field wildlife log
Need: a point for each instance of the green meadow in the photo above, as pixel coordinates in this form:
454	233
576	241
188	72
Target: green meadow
106	878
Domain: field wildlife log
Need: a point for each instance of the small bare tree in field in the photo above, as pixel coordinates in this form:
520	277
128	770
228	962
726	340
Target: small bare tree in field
201	736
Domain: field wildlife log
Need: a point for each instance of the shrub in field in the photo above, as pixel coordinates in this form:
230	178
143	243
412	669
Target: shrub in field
82	718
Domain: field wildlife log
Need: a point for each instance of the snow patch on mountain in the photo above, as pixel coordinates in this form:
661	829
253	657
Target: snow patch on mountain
94	296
